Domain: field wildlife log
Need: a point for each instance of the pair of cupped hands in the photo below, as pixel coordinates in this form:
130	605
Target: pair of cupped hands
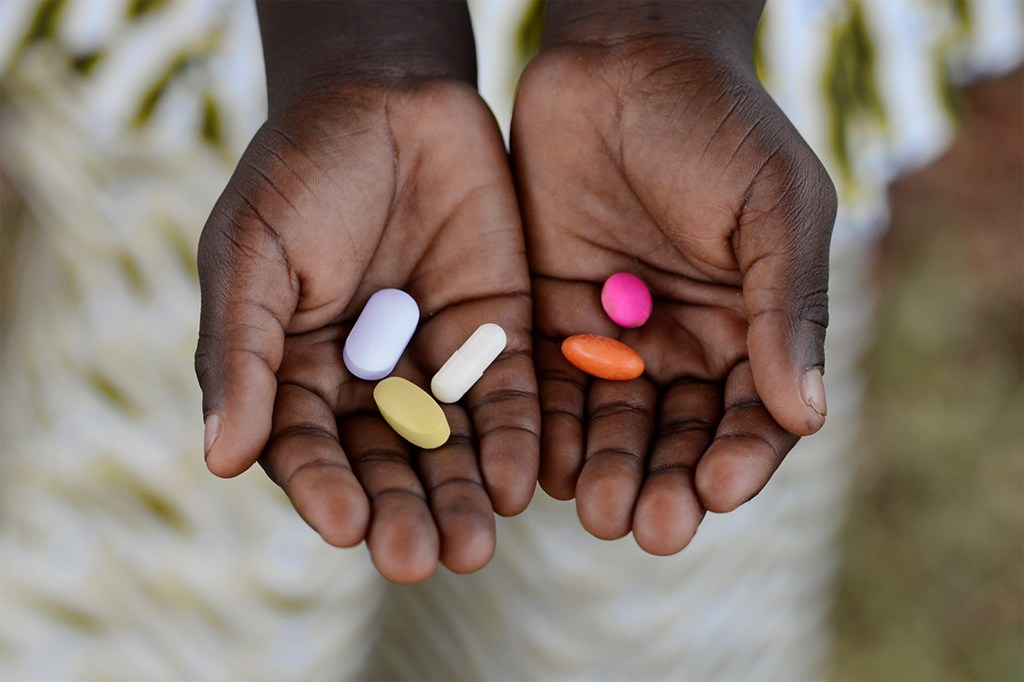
671	164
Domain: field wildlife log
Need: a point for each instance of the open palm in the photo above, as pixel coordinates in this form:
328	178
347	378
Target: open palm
678	168
338	196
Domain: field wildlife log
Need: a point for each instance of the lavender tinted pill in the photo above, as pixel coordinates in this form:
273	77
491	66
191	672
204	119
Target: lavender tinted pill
380	334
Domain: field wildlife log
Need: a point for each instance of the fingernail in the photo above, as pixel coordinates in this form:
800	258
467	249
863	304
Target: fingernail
214	425
812	390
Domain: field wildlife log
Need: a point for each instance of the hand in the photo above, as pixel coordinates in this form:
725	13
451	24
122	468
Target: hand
664	157
345	191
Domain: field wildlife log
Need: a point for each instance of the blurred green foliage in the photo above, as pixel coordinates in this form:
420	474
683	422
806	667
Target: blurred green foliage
850	86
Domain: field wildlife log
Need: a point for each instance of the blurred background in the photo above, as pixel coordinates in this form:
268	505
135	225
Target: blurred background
932	579
119	123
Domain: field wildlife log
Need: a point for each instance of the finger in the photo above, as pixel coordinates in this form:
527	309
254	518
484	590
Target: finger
783	245
748	447
619	429
506	416
460	504
402	537
248	296
503	402
303	456
562	390
668	510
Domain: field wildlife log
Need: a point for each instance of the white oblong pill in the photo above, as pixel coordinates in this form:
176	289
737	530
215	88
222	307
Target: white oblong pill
380	334
468	363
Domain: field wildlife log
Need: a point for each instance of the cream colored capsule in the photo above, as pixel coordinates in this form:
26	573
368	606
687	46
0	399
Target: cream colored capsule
411	412
468	363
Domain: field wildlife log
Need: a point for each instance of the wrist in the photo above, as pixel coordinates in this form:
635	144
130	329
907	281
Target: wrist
310	45
715	27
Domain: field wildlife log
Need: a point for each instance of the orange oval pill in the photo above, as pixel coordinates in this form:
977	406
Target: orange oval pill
602	357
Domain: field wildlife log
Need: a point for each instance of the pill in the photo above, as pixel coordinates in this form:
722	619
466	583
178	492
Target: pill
380	334
458	374
603	357
626	299
411	412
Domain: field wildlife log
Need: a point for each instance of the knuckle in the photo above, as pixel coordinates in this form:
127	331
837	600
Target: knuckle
558	377
620	408
813	307
202	363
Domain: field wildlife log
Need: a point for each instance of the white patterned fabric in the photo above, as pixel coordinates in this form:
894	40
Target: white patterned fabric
124	559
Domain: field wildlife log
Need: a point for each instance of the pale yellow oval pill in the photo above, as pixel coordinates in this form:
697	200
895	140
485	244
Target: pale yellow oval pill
411	412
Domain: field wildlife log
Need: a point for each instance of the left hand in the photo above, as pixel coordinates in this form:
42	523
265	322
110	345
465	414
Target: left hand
667	159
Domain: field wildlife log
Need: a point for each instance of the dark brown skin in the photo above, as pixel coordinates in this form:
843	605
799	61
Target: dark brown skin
393	176
641	142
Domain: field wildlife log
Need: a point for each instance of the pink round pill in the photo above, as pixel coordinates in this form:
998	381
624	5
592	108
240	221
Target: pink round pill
626	299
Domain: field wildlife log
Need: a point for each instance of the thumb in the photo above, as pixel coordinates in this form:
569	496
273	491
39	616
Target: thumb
248	298
783	252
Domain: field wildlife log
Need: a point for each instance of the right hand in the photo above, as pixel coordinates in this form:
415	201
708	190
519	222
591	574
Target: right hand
341	193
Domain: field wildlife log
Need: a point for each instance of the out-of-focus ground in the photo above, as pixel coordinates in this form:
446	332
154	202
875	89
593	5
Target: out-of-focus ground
932	582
